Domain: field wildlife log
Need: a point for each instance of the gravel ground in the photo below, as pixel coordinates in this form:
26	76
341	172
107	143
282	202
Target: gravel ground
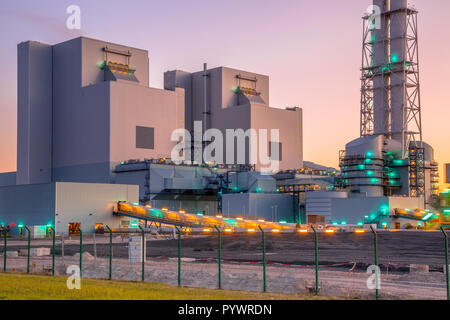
333	282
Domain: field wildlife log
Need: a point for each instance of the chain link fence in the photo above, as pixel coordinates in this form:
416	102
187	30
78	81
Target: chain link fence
412	265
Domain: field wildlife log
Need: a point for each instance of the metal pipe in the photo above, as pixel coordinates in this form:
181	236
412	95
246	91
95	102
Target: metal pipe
220	258
375	244
143	253
446	262
264	258
110	252
29	247
316	257
81	252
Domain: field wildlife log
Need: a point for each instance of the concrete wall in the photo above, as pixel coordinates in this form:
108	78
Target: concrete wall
273	207
62	203
133	106
34	113
7	179
92	54
93	123
227	111
89	204
32	204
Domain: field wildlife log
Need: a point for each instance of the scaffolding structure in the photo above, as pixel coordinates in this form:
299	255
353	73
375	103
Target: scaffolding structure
395	71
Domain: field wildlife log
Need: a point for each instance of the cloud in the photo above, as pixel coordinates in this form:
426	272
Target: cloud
55	25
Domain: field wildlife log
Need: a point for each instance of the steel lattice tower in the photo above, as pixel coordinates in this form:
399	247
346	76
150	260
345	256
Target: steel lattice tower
390	90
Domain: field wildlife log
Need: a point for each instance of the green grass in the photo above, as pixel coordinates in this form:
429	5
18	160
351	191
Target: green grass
33	287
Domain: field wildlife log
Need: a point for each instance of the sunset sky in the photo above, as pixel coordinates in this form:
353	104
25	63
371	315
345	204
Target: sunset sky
310	49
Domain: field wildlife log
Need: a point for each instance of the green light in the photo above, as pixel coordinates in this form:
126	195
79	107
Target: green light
283	222
419	224
360	224
122	163
361	167
399	162
335	223
2	224
367	217
370	154
392	174
446	211
394	57
343	222
368	161
134	224
200	214
428	216
384	224
374	180
278	190
258	190
135	203
49	225
370	173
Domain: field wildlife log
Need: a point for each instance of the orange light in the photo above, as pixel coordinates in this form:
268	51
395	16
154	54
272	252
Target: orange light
276	230
251	230
329	230
187	230
360	231
261	220
149	206
239	218
182	211
219	216
165	209
207	230
303	230
228	230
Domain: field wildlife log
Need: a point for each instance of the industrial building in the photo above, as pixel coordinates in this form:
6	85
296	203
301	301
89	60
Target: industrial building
92	133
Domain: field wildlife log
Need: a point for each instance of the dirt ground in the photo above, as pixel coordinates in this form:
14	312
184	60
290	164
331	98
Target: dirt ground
396	249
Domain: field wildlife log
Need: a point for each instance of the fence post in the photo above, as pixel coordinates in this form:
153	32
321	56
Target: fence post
143	253
316	257
220	257
4	251
81	252
377	275
264	258
179	256
110	252
29	247
53	250
446	261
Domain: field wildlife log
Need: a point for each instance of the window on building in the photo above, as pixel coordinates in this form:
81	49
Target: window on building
145	138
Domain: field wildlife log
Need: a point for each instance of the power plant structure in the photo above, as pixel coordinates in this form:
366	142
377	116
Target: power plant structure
95	143
390	160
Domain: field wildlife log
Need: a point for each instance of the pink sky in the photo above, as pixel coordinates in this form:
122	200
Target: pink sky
310	49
